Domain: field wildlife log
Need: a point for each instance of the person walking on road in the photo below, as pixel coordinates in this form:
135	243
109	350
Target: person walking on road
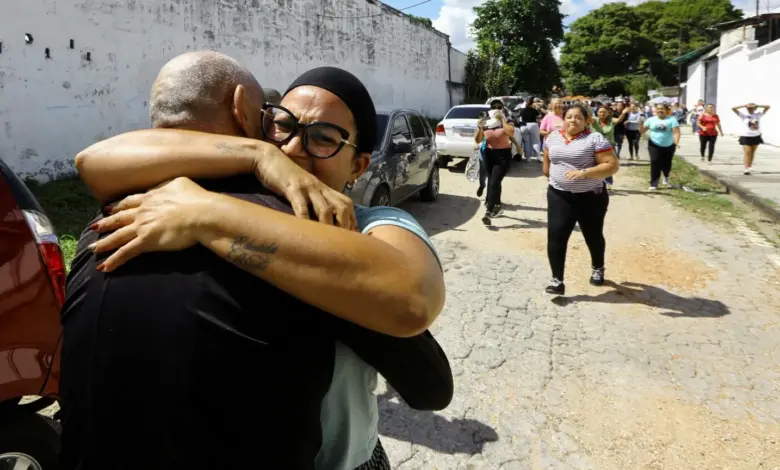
529	128
750	137
553	121
620	113
605	124
576	162
698	110
498	156
709	127
631	124
664	140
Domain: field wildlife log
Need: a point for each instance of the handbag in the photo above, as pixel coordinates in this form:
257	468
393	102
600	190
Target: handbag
472	167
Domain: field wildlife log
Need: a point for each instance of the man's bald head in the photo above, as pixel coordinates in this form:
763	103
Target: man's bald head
206	91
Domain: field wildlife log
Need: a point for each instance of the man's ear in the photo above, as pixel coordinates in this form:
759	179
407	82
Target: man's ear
241	112
360	164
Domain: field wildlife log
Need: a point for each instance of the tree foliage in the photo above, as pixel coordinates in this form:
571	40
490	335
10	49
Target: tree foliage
522	33
605	50
486	74
639	85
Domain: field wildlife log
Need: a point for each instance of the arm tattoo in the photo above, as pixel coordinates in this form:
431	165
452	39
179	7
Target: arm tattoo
246	254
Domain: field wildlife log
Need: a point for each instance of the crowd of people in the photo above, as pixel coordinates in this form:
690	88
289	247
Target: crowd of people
581	144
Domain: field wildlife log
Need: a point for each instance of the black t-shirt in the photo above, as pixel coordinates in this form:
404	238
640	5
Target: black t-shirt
529	114
182	360
619	128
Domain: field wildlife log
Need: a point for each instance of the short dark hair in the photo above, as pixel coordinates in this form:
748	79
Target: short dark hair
585	110
496	102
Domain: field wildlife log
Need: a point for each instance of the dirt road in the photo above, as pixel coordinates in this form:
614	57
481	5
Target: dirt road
675	364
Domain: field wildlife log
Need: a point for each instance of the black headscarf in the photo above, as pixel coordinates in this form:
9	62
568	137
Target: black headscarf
352	92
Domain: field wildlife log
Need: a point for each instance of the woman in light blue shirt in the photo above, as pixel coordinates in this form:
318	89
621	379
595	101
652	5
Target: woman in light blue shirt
664	140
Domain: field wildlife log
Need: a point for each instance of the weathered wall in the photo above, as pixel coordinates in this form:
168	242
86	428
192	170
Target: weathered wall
458	66
50	108
695	84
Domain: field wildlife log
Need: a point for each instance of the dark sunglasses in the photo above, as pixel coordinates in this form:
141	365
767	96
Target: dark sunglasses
320	139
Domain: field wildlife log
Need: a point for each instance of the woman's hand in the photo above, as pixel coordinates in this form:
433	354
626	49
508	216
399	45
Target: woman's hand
575	175
163	219
283	176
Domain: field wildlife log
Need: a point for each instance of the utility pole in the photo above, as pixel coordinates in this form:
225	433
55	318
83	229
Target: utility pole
757	5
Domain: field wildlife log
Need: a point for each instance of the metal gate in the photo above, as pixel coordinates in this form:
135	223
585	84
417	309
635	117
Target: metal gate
711	81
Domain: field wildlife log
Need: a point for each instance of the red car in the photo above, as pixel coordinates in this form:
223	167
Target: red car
32	290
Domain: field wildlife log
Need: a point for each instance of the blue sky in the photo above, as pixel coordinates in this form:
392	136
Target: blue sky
454	16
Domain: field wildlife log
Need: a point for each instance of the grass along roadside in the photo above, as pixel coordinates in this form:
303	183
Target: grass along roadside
69	206
702	196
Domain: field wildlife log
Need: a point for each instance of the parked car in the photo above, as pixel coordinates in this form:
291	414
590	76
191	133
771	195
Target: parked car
455	133
32	290
403	162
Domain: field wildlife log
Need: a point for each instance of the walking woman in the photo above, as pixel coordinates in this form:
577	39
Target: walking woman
498	155
631	125
605	125
620	113
529	118
576	162
709	127
553	121
750	137
664	140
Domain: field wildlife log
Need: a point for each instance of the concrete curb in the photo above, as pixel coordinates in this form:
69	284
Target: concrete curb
745	194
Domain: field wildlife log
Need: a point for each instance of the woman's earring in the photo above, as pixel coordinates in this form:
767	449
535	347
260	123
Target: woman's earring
350	185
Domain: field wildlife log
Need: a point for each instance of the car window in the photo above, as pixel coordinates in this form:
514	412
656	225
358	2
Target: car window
381	128
418	127
401	131
471	112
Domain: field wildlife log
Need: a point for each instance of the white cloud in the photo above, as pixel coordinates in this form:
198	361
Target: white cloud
455	18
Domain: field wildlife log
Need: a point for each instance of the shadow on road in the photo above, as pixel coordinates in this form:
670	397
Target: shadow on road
635	293
449	212
425	428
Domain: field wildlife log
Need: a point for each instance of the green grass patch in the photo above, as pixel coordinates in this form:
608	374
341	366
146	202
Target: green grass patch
704	197
770	202
69	206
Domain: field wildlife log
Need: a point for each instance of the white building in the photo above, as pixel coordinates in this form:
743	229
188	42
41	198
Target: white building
741	67
75	72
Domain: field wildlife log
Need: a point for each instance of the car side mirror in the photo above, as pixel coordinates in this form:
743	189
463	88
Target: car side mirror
402	147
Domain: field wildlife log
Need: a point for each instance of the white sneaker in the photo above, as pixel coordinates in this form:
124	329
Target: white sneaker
652	188
666	184
747	171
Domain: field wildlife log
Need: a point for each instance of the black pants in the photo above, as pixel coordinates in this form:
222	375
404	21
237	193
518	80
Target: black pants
564	210
619	136
704	141
660	161
497	164
633	142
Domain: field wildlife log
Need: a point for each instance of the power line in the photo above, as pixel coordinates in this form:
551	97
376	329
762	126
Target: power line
374	15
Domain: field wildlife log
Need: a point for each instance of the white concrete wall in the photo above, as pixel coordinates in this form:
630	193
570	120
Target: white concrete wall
52	108
458	66
746	74
695	84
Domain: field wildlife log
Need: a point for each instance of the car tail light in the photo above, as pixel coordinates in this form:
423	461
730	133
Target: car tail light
49	247
440	130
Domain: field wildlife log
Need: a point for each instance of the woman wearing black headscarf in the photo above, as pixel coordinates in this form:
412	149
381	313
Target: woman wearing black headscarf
371	277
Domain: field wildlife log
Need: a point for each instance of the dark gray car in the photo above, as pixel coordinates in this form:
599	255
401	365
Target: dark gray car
403	162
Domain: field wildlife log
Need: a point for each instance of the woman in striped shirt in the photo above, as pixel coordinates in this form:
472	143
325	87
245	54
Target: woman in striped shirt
576	162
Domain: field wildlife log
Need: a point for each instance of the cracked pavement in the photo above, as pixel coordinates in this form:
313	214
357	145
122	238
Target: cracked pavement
674	364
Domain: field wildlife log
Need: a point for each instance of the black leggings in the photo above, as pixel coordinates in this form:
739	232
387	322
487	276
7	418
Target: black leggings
497	164
564	210
704	141
633	142
619	136
660	161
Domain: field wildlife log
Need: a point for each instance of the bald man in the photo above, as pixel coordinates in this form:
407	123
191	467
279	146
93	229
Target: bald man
182	361
170	363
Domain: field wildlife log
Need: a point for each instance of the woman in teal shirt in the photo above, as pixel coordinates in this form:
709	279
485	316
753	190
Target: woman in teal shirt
664	140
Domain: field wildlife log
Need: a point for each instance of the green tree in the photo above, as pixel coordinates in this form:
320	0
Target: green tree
639	85
525	32
486	74
605	50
